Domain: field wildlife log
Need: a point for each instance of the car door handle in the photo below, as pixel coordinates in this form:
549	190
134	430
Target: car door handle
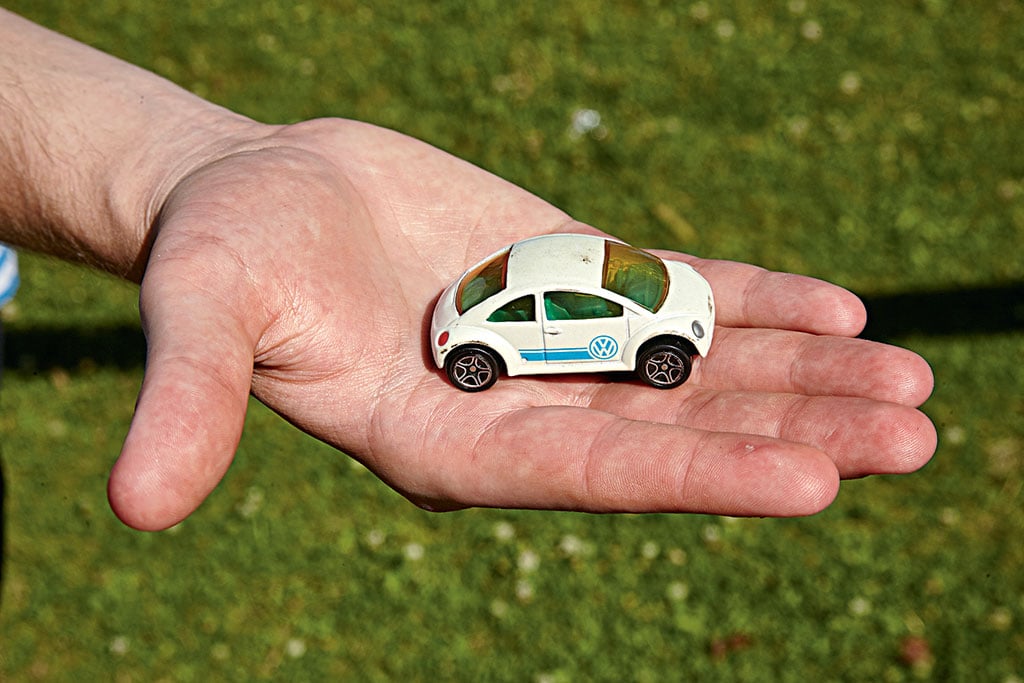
552	330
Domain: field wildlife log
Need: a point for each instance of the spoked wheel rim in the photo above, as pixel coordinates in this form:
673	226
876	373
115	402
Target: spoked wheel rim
665	367
473	370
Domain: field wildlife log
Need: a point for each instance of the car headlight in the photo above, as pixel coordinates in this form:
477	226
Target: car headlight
698	329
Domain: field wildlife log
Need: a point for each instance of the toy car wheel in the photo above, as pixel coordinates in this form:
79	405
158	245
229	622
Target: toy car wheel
472	368
664	366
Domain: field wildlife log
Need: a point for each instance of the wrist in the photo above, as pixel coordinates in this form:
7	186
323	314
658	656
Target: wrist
177	141
91	146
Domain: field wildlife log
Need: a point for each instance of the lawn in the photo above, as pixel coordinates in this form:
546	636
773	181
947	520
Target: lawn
874	144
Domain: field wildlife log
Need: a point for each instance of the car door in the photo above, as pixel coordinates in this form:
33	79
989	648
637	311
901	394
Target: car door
516	321
583	328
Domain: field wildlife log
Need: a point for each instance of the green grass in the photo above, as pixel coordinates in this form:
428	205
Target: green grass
874	144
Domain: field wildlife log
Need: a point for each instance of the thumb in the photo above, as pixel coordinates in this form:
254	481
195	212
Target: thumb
190	411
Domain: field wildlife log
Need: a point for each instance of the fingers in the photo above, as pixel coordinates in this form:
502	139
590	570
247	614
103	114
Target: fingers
796	363
189	416
749	296
581	459
861	436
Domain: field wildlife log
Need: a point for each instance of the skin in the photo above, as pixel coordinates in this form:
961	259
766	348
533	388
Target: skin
301	263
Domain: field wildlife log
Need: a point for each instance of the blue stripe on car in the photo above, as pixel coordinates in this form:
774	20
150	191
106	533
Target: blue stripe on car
567	354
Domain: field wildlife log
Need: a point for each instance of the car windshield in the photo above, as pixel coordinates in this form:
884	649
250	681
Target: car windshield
635	274
482	282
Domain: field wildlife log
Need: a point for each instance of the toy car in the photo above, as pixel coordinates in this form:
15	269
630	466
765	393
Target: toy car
572	303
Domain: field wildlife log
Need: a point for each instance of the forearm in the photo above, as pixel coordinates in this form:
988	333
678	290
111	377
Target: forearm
90	146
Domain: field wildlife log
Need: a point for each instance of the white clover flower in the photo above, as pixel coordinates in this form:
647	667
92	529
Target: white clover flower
267	42
528	561
850	83
1000	618
811	30
677	556
585	121
955	435
503	531
677	591
700	11
859	606
725	29
499	608
252	502
1007	189
295	648
571	545
712	533
119	645
413	552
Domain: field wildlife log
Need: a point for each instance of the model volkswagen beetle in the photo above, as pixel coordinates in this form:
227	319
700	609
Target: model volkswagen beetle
572	303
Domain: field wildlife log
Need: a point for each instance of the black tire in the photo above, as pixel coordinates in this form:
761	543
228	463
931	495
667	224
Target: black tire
472	368
663	366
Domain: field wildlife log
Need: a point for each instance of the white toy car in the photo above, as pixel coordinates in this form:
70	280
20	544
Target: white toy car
572	303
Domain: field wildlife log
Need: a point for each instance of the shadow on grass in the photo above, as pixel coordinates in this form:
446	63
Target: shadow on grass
982	310
71	348
39	349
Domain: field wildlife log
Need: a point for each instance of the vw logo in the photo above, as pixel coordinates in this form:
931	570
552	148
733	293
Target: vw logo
603	347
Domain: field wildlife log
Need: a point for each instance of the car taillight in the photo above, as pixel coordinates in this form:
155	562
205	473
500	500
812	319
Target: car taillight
442	339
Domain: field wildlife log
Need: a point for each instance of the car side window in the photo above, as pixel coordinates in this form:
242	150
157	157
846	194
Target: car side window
576	306
481	283
516	311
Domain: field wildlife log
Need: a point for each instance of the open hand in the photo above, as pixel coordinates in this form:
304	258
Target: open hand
302	266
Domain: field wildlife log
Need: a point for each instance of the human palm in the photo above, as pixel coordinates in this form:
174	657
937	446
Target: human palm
303	266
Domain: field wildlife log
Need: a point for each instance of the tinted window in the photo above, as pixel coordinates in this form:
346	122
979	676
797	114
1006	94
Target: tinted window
575	306
635	274
517	310
482	283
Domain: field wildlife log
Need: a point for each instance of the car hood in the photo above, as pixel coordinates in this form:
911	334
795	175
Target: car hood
688	291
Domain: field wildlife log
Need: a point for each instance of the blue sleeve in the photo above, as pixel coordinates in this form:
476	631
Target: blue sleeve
8	274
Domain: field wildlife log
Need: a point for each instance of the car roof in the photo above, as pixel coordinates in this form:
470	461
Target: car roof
556	260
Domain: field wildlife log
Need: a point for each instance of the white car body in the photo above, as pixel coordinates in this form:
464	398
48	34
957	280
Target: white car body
560	268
